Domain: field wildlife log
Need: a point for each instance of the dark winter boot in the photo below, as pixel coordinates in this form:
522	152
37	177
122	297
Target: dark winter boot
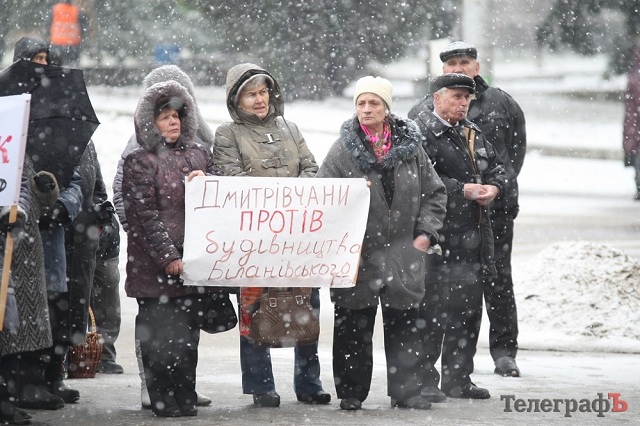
54	377
33	392
12	415
9	413
9	368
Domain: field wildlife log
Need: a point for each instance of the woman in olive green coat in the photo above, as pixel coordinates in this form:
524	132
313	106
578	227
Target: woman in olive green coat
261	142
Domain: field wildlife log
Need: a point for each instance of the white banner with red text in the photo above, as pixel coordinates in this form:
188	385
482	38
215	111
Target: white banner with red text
274	232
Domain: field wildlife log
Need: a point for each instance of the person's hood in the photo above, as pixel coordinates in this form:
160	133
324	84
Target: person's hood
147	133
173	72
27	47
237	75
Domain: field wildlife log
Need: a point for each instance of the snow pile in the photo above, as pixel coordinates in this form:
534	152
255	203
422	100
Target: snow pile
583	291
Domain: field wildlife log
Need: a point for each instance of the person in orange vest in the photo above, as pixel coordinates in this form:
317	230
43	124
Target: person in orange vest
67	25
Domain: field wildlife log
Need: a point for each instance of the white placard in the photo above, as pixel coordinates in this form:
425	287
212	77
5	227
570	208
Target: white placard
14	124
274	232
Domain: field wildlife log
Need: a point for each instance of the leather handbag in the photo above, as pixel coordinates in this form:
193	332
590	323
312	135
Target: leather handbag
285	318
218	314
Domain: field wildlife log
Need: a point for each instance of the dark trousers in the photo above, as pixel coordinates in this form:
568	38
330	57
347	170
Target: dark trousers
353	352
257	371
498	292
81	242
105	303
169	335
59	318
451	314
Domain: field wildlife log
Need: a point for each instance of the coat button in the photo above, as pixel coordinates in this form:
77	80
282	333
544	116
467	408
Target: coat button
185	169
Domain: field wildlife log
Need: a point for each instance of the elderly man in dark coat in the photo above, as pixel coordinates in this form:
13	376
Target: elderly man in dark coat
474	176
502	122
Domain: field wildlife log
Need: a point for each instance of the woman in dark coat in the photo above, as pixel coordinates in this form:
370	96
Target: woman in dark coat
406	212
153	195
27	281
204	137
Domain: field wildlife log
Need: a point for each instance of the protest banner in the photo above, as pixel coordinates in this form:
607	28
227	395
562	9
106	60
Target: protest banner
274	232
14	123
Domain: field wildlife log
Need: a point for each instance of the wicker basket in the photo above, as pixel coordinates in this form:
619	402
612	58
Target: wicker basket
84	358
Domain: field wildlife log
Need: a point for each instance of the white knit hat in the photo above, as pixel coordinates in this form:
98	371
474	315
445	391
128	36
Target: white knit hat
376	85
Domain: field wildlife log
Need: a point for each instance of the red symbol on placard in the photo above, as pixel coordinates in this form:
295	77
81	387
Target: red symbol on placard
3	150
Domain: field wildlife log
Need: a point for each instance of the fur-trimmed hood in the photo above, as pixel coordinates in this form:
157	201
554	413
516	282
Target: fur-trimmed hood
147	133
237	75
173	72
406	141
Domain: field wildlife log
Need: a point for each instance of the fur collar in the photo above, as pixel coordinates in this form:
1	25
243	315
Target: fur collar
406	140
437	127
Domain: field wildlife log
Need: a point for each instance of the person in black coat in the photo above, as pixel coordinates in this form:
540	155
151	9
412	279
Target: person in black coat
474	176
105	294
40	384
502	122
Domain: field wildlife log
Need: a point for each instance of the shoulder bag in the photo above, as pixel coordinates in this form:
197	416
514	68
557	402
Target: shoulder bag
285	318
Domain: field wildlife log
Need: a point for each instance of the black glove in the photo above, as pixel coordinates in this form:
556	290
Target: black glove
44	182
16	228
57	215
103	212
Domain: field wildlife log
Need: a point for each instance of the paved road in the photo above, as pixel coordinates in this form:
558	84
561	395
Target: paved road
115	400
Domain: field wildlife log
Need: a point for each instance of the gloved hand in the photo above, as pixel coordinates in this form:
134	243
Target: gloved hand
57	215
44	182
103	212
16	228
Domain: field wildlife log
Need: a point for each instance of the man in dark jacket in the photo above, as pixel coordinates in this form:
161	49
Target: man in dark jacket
502	122
82	239
474	176
105	295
